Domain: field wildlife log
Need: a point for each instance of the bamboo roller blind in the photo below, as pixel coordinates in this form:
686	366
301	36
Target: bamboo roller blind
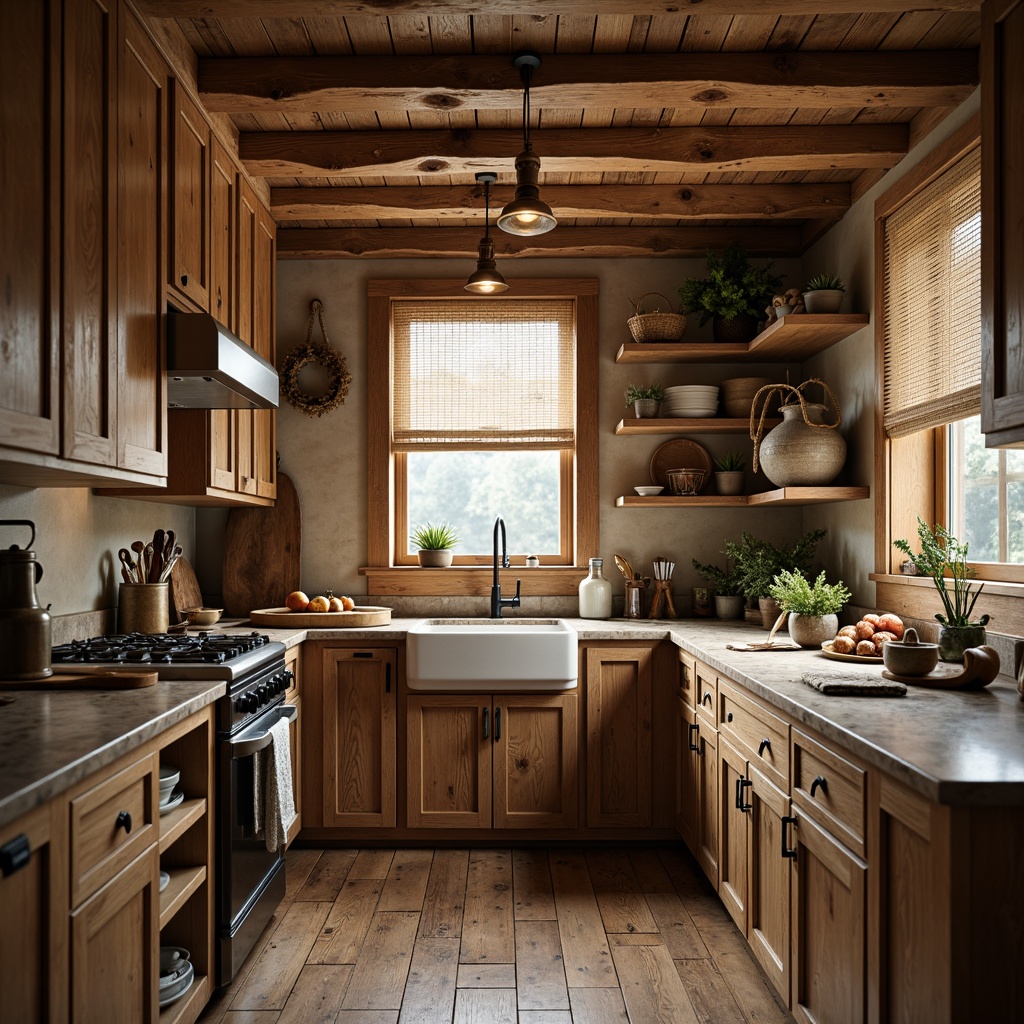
932	303
482	374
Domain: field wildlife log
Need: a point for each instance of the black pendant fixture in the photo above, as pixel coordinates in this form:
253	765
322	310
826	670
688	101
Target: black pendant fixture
527	214
486	280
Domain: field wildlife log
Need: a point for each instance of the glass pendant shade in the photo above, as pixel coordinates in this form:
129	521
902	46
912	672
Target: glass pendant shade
486	280
527	214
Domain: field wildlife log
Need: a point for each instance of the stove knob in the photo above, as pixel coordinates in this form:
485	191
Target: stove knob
252	702
263	692
281	682
240	703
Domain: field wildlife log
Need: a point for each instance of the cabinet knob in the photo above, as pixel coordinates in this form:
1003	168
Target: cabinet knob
184	280
728	717
820	783
765	744
124	820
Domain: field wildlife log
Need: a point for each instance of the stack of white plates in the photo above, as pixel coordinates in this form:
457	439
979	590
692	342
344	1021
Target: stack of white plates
176	974
690	400
170	795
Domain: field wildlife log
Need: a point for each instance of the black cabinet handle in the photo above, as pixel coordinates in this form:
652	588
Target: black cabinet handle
728	717
706	699
487	723
765	744
786	851
695	728
184	280
387	677
15	854
124	820
497	724
362	654
821	782
741	804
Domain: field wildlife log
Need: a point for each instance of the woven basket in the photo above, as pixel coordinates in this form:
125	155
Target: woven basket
656	326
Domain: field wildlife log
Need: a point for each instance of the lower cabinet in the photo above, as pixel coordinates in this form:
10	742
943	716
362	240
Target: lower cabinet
483	761
292	662
697	803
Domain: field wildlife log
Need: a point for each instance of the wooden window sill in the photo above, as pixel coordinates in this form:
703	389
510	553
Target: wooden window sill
472	580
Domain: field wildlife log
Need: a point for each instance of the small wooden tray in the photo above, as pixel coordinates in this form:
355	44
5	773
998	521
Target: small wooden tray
980	667
368	615
95	680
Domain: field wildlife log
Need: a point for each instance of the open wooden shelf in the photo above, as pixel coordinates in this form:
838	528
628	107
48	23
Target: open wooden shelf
184	882
174	823
791	339
689	425
779	496
186	1010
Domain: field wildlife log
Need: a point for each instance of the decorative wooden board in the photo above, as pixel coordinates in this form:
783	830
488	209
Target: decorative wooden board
185	591
368	615
980	667
263	552
106	680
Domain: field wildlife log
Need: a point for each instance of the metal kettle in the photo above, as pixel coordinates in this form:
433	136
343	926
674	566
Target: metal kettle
24	627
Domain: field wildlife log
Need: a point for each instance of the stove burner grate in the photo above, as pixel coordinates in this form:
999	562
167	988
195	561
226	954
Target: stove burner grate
159	648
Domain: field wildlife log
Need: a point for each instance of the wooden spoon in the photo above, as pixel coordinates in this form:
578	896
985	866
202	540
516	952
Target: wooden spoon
624	567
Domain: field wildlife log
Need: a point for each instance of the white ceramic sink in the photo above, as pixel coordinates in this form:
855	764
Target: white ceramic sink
518	655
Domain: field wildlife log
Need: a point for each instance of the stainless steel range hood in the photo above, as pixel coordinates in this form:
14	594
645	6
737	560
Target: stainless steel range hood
209	368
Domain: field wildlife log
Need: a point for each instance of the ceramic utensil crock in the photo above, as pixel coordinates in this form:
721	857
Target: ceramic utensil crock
24	626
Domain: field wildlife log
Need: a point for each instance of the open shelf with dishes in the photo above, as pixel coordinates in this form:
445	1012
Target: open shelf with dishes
777	496
791	339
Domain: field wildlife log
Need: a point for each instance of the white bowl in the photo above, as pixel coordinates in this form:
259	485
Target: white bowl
648	491
171	958
169	778
692	389
178	986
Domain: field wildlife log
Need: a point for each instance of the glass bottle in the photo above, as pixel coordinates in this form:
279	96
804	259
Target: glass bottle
595	593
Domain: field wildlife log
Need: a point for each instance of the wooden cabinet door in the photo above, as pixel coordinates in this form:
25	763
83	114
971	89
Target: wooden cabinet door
245	242
114	948
733	837
619	684
1002	214
33	944
142	220
829	905
189	235
89	250
359	748
534	760
707	803
30	196
768	917
448	757
264	291
295	735
687	753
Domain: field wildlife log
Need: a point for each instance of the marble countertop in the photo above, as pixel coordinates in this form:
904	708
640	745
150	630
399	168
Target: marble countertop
54	739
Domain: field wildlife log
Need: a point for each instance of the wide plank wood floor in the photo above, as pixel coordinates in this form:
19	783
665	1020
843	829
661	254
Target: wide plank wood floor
623	935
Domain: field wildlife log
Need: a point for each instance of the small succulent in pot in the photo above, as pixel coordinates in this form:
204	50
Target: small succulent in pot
824	293
730	462
729	477
434	543
645	398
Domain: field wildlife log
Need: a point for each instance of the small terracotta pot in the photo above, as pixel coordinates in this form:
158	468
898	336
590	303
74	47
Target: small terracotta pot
435	558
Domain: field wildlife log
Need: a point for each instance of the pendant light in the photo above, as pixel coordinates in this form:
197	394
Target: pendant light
486	280
527	214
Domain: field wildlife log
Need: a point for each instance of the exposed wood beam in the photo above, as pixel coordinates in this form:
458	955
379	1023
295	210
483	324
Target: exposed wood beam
598	242
382	8
876	78
670	202
704	149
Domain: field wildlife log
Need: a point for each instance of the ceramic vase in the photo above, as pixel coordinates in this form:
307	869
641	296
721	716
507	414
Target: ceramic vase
797	454
824	300
954	640
736	329
730	482
729	606
646	408
435	558
811	630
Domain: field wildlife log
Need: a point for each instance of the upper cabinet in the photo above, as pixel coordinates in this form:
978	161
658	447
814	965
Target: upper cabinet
1002	217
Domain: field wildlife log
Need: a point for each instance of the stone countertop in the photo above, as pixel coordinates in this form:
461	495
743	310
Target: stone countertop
55	738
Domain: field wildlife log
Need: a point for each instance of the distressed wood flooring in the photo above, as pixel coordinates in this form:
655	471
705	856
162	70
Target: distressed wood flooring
603	936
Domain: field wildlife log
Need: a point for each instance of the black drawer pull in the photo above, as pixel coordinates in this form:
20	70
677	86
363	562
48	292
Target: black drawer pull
765	744
497	724
689	736
786	851
741	784
15	854
706	699
362	654
487	723
387	677
184	280
821	782
124	820
728	717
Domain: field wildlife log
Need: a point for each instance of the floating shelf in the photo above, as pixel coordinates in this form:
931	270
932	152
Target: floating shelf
186	1010
790	339
779	496
184	882
689	425
174	823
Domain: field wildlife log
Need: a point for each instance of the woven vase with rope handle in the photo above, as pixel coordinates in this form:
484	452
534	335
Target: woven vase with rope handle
805	449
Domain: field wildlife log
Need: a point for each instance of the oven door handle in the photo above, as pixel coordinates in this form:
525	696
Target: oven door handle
246	746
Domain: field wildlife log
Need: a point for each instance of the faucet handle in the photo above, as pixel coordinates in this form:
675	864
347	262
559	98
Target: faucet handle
515	600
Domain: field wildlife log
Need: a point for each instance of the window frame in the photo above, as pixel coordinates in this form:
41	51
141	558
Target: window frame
388	576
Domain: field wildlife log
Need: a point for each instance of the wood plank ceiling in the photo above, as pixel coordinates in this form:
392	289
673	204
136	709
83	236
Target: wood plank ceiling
659	132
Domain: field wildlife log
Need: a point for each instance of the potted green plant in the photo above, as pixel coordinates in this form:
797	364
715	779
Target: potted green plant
944	558
813	607
645	398
435	543
758	562
729	473
733	295
824	294
727	586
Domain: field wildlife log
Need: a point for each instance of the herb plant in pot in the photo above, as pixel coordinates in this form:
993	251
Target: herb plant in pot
729	476
645	398
727	587
941	554
435	544
813	607
824	294
733	295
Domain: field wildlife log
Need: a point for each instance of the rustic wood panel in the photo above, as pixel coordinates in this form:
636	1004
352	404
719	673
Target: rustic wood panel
348	920
651	986
325	880
587	958
487	928
378	979
407	880
429	996
540	972
445	896
534	899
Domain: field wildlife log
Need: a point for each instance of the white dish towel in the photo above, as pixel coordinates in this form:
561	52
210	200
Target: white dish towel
273	803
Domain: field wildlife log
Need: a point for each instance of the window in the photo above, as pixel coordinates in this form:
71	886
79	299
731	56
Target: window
482	407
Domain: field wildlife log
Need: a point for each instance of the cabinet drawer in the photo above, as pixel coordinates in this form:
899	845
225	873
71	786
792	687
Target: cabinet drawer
706	692
761	735
838	801
687	678
102	841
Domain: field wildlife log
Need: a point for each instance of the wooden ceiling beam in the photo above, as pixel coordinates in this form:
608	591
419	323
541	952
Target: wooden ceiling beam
782	239
876	78
437	8
680	150
670	202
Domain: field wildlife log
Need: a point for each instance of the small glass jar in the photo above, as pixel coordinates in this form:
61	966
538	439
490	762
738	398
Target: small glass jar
595	593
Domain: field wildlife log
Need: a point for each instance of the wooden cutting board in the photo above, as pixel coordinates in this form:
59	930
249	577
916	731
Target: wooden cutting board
108	680
263	553
368	615
185	592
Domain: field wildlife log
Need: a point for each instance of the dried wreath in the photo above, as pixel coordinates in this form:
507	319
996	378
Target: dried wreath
317	353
